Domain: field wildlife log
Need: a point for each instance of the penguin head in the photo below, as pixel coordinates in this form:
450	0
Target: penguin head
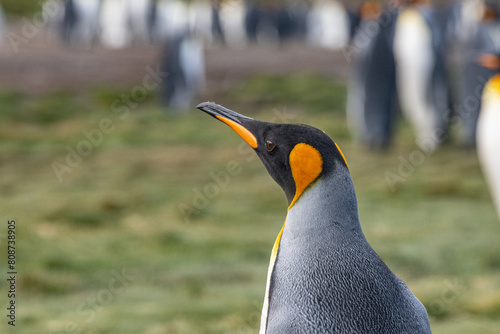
294	155
488	12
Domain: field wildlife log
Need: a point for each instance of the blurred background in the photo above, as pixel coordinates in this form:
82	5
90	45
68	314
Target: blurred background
137	213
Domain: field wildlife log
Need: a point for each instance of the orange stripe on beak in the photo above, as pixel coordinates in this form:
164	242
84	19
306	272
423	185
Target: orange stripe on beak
241	130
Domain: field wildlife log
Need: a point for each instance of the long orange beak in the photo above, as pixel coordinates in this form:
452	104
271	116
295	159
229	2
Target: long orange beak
233	119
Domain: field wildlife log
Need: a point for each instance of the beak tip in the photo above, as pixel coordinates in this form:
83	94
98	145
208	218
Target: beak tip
216	110
231	118
203	105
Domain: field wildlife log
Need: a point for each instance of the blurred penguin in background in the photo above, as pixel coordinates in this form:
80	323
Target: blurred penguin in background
371	97
87	28
275	23
276	26
422	80
151	20
264	21
252	17
488	136
53	26
480	64
201	20
217	32
138	16
328	25
69	21
232	18
185	64
172	20
354	21
298	12
114	24
468	14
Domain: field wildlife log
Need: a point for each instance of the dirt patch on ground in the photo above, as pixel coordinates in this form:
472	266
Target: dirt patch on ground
42	64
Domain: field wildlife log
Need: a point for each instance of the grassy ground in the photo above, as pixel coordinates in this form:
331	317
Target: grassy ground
21	7
137	237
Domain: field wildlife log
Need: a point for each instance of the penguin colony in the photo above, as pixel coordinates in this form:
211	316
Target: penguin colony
434	62
399	53
185	27
323	275
428	85
118	24
428	60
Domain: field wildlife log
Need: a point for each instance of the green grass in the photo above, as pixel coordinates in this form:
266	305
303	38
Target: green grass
21	7
119	210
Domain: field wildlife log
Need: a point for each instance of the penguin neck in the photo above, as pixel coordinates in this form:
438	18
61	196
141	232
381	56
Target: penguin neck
328	209
328	206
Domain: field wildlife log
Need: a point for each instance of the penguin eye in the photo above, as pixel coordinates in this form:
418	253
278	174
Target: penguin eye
270	145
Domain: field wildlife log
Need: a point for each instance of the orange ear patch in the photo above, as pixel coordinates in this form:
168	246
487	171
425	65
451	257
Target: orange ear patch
306	164
241	130
492	88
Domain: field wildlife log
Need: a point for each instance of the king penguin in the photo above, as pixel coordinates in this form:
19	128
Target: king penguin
480	64
323	275
371	90
488	137
421	78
